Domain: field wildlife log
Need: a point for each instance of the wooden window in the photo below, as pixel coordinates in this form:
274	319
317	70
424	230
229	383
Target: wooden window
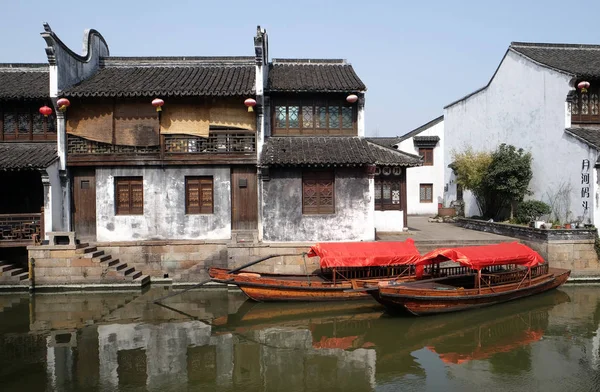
26	124
318	194
426	193
129	194
585	106
312	116
427	154
387	194
199	195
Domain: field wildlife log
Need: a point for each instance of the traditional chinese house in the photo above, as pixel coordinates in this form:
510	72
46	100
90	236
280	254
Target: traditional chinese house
543	98
29	173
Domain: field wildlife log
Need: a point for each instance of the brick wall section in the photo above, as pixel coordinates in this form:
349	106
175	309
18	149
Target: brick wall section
181	261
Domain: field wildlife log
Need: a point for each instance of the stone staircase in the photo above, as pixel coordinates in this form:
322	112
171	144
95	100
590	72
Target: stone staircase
12	274
112	268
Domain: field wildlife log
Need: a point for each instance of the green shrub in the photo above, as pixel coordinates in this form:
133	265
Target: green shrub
531	210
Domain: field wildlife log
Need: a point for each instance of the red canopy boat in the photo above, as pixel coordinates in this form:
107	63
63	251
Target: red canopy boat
342	263
498	273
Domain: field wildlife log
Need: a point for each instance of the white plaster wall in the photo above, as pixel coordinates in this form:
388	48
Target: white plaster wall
389	220
425	174
54	207
283	220
524	105
164	205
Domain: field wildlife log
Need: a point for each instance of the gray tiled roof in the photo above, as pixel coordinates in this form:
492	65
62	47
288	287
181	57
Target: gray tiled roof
384	141
164	76
24	81
335	151
590	136
313	76
580	60
27	156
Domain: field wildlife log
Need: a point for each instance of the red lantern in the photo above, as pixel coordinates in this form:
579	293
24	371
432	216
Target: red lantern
352	98
583	86
157	103
63	104
250	102
46	111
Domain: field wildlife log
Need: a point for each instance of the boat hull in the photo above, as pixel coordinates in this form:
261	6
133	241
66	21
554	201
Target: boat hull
271	287
416	301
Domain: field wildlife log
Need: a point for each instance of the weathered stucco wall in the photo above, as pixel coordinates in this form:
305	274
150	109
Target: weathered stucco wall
415	176
389	220
282	209
164	206
524	105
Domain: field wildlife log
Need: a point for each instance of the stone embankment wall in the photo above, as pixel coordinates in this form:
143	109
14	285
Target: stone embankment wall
185	261
563	248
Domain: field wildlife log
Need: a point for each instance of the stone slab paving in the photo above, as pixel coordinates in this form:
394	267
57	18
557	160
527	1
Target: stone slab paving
421	230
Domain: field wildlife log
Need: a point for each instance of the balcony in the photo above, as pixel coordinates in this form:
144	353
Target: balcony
20	229
221	147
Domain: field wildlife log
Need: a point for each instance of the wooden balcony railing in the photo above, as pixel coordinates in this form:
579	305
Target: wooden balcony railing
20	228
218	142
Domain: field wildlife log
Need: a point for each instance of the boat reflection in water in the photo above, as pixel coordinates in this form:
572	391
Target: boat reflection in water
244	345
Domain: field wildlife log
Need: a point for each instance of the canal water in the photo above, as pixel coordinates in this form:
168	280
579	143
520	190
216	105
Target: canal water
215	340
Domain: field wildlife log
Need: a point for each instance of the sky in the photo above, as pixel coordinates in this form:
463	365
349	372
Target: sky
415	57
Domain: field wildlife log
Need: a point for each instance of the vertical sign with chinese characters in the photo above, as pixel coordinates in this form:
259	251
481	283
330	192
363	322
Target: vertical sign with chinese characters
585	185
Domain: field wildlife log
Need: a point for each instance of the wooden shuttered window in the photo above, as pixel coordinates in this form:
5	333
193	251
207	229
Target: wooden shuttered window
129	194
199	195
318	193
387	194
427	154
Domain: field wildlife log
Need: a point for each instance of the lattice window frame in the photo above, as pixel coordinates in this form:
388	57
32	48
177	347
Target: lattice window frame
395	187
199	195
424	189
318	192
309	116
129	196
26	124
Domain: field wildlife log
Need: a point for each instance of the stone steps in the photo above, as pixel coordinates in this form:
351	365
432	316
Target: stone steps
10	273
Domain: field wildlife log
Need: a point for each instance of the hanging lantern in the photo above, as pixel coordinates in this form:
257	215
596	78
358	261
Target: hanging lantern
157	103
46	111
583	86
250	102
63	104
352	98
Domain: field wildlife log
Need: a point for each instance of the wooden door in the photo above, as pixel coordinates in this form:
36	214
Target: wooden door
84	203
244	198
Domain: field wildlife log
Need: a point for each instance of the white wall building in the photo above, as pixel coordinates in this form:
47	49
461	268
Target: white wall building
425	184
532	102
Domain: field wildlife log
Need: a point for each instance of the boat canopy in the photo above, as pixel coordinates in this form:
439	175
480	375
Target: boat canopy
478	257
365	254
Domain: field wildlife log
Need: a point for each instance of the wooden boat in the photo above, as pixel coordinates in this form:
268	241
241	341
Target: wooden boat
344	265
518	272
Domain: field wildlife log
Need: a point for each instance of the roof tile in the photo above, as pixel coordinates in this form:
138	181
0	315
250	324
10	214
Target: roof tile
308	76
580	60
336	151
27	156
24	81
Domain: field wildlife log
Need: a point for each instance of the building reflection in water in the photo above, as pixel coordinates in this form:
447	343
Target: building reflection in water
271	347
